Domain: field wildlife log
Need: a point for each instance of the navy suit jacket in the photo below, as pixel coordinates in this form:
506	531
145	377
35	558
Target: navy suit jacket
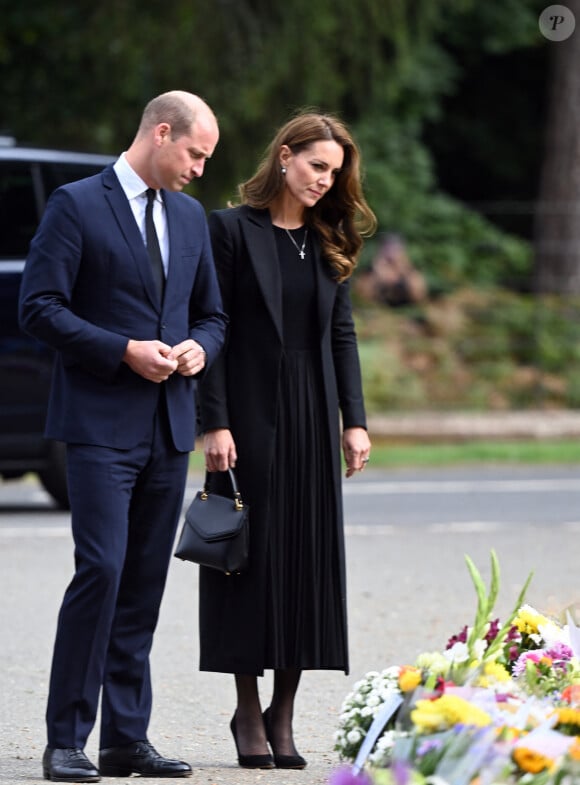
87	288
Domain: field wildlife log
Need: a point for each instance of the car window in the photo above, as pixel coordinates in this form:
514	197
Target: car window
24	188
19	211
55	174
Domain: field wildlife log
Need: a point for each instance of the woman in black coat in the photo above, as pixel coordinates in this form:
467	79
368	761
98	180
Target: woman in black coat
273	405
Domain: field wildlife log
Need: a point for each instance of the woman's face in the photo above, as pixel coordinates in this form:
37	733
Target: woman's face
311	172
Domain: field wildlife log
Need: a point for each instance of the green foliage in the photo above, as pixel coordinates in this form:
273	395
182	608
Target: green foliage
486	349
451	244
78	75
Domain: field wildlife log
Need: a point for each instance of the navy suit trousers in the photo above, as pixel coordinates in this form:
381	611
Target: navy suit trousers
125	508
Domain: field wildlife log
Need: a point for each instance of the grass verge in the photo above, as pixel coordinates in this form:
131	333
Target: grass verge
432	454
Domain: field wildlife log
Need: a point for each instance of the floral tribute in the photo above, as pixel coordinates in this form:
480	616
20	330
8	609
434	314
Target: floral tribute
499	705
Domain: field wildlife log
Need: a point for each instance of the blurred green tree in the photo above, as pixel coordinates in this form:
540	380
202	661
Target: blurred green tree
399	71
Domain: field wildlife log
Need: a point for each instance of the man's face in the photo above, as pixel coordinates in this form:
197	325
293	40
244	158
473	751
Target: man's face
177	162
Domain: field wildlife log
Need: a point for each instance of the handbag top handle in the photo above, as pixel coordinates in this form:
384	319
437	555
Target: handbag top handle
236	495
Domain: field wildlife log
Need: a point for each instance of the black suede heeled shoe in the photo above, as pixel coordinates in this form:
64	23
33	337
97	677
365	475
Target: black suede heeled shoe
281	761
250	761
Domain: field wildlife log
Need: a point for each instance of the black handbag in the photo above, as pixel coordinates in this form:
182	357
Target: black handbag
216	530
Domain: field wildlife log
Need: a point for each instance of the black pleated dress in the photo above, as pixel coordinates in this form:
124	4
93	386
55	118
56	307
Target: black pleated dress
305	620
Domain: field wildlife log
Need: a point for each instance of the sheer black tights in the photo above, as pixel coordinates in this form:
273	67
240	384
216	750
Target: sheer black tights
249	721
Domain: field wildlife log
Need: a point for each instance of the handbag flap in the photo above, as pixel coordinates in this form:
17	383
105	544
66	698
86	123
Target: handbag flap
215	517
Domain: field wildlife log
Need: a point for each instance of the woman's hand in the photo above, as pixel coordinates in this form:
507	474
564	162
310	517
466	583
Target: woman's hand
220	450
356	446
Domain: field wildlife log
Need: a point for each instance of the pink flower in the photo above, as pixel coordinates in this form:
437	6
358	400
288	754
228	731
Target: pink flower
533	656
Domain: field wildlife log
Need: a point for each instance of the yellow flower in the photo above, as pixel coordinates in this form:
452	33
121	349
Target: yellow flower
446	711
409	678
568	720
509	733
528	621
531	761
574	750
493	672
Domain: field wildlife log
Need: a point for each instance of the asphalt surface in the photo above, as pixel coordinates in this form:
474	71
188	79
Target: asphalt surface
409	590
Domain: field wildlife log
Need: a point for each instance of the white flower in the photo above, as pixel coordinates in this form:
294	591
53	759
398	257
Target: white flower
434	662
387	692
457	653
387	740
479	648
354	736
374	699
552	634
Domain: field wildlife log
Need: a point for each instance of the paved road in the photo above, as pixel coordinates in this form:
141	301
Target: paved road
409	590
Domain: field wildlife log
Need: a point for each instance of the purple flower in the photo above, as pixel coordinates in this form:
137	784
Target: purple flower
493	631
460	638
401	772
513	634
345	776
428	745
560	651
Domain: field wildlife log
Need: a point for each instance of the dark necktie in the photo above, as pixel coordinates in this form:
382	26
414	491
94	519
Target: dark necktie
153	245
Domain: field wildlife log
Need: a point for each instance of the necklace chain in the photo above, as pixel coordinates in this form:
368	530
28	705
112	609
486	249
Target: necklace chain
300	249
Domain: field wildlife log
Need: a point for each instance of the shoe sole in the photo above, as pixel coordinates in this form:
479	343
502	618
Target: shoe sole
48	777
111	771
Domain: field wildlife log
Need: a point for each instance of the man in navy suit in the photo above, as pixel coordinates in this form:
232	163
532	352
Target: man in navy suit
122	285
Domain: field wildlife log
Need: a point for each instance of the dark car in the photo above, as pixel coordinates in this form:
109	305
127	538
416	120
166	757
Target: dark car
27	177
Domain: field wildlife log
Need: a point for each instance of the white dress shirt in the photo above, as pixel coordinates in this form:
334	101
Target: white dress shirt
135	189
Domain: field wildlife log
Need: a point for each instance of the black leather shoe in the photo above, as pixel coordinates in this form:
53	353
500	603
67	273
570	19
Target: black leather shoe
281	761
68	764
142	758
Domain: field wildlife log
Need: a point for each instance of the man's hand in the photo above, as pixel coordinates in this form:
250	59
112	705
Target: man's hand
190	357
150	359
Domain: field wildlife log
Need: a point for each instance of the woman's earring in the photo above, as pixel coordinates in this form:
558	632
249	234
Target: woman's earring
283	169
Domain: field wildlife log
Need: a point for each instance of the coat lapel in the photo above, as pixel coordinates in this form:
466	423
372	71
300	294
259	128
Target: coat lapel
130	231
259	237
325	289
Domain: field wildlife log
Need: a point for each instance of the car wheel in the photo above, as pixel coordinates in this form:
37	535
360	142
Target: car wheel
53	478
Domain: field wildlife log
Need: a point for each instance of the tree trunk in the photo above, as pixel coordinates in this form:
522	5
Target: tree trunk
557	218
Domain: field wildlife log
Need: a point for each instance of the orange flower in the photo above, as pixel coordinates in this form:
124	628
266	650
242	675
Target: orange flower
574	750
571	693
531	761
409	678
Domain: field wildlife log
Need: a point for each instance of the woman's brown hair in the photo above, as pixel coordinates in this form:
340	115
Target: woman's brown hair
341	217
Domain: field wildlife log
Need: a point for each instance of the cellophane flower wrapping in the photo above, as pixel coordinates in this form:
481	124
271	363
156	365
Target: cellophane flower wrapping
499	704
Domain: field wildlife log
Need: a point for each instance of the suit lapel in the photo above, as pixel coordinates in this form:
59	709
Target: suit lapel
257	230
128	227
173	281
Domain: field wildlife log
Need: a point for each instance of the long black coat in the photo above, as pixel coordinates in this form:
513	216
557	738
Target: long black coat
240	392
